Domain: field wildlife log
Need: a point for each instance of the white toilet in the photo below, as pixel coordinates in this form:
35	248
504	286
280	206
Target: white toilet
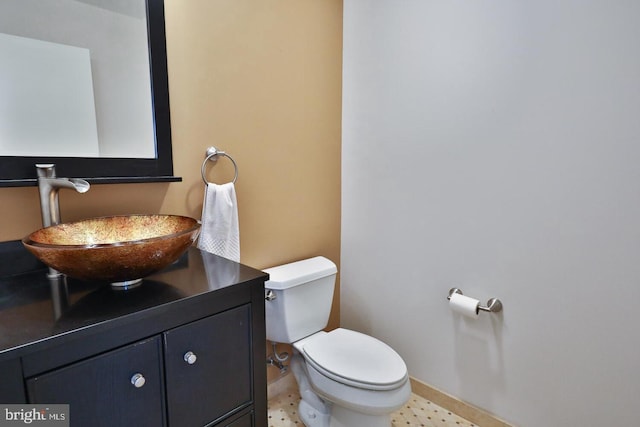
346	379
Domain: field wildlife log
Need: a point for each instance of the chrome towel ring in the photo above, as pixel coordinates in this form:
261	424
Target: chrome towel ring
212	154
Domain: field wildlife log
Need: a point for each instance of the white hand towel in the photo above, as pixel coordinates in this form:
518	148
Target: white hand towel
220	233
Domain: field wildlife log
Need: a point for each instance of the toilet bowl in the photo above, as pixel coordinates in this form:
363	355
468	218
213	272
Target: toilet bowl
363	378
346	378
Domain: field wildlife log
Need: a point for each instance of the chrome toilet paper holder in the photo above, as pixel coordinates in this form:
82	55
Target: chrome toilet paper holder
494	305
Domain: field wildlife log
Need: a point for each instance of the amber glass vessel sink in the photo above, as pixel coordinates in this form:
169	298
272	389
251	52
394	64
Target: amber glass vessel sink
116	249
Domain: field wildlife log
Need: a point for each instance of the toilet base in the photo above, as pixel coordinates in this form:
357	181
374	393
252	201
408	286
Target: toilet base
343	417
312	410
312	417
339	417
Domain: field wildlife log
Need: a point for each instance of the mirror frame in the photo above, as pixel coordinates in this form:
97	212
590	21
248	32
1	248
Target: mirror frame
19	171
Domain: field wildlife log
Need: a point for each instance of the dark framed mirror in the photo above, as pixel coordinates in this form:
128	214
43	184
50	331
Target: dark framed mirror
116	167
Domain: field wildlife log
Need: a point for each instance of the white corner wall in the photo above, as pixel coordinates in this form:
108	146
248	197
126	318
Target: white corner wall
494	146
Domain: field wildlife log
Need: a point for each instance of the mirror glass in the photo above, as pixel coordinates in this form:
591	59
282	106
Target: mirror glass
83	84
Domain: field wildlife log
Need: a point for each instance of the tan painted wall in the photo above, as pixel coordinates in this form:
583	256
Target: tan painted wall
262	81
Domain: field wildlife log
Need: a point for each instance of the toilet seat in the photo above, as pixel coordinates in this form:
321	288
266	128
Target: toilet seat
355	359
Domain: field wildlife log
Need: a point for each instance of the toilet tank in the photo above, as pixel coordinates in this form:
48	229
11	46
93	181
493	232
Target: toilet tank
303	293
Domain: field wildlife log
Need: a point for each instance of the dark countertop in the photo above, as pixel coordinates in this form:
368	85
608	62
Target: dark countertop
36	312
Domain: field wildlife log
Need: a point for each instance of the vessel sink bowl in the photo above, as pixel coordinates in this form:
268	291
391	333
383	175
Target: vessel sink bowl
116	249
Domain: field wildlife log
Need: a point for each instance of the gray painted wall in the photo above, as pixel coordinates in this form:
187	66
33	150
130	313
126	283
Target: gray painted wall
493	146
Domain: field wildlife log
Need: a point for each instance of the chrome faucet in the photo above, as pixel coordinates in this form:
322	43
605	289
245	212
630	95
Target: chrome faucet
48	186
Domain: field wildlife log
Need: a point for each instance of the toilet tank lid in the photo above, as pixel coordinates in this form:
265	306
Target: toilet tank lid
295	273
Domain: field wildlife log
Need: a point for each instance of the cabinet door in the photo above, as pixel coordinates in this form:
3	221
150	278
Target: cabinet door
11	385
107	390
243	421
208	368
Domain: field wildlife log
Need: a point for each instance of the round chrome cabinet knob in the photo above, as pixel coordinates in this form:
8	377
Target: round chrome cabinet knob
190	357
138	380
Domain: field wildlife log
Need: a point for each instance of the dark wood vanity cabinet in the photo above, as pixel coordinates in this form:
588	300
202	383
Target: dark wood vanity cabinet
195	358
244	421
11	387
208	368
120	388
206	374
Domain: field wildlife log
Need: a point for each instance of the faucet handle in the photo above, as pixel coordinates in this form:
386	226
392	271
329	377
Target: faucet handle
46	170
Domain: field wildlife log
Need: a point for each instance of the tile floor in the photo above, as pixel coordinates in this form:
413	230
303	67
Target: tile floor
418	412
